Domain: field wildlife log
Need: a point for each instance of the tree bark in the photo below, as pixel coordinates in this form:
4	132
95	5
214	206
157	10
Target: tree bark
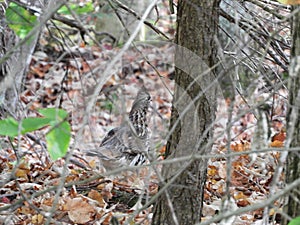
193	113
14	60
8	40
293	121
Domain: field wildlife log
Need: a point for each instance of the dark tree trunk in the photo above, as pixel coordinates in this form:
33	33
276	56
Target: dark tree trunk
293	120
193	113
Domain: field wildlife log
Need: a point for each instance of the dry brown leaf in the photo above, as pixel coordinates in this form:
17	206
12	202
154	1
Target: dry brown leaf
74	94
82	44
73	192
247	217
48	201
207	194
95	195
243	203
93	163
153	188
79	210
24	166
25	210
242	200
212	171
106	191
72	177
35	105
22	173
239	196
37	71
237	164
162	150
37	219
277	144
279	137
290	2
85	67
107	219
46	204
240	146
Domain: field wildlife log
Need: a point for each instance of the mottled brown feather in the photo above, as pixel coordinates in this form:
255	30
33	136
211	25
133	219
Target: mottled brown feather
129	143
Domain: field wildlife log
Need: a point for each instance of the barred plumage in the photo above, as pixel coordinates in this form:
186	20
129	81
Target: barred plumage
129	143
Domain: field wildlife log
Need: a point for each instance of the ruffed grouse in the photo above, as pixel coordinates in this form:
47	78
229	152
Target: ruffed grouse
129	143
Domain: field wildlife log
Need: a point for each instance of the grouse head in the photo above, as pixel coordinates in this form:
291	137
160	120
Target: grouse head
142	100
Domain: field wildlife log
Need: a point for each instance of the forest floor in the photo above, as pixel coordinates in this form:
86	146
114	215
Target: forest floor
53	83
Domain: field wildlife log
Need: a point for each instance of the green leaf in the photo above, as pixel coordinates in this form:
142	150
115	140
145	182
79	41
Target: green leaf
58	140
54	114
78	9
34	123
295	221
19	19
9	127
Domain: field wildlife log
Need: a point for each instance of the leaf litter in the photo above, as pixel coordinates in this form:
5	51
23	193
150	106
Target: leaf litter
24	195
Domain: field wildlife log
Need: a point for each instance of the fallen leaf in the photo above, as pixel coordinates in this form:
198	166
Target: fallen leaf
95	195
80	211
277	144
22	173
279	137
212	171
290	2
37	219
240	146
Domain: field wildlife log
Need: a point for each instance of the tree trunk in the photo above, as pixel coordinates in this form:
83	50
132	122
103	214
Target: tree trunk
193	113
8	40
13	66
293	121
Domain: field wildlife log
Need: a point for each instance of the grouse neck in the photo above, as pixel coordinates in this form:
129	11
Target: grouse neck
138	119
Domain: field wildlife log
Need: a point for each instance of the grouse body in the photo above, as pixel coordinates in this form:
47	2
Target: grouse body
127	145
